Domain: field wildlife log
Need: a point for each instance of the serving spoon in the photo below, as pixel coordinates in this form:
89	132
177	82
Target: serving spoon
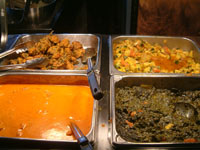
89	53
28	64
186	110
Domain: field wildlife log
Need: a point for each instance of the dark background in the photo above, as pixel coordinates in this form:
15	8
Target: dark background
83	16
144	17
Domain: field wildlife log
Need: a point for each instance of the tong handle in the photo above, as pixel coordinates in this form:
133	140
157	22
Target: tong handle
10	67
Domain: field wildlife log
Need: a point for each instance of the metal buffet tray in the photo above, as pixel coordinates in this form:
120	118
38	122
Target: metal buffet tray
88	41
103	132
186	83
54	79
172	42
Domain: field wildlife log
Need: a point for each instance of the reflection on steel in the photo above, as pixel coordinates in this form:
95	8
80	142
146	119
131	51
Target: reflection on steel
4	26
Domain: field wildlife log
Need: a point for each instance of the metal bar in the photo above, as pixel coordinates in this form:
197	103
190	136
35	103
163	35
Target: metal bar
128	16
134	16
4	26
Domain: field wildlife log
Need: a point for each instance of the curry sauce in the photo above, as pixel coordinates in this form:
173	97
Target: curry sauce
169	65
44	111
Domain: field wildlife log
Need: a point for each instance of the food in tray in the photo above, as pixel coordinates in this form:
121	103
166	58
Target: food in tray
146	114
61	54
44	111
139	56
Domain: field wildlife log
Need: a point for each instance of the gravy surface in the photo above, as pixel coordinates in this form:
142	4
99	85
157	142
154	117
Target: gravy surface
44	111
168	64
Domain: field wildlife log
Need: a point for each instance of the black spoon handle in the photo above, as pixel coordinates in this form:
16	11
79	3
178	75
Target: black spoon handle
94	86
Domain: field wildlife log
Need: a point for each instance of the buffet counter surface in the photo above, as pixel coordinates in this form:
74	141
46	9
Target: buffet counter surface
103	134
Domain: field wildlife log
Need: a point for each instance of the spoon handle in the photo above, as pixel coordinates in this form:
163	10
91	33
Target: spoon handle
82	140
94	86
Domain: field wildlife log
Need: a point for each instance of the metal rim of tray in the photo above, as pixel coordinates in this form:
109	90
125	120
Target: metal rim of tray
114	71
91	134
113	135
96	67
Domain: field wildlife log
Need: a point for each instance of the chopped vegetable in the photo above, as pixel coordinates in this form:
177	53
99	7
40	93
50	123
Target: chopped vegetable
162	58
149	115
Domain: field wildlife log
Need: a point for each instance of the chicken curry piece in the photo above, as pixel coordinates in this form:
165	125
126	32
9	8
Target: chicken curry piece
61	54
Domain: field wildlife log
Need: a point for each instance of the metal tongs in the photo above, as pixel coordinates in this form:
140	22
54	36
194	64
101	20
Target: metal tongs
22	47
28	64
94	86
82	140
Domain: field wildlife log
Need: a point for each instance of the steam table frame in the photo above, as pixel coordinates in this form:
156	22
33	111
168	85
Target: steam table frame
103	123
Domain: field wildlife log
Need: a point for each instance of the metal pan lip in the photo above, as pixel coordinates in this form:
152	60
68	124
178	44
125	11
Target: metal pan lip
98	58
114	71
91	134
113	135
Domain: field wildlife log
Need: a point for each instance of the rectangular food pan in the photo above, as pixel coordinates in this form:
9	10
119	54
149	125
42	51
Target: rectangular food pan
41	79
165	41
87	41
129	113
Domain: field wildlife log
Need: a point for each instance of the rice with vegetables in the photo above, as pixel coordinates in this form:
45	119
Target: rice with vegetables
139	56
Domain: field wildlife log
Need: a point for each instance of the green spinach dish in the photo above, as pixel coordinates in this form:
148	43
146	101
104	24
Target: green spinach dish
146	114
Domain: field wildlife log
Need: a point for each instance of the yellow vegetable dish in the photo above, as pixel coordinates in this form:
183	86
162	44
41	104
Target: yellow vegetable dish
139	56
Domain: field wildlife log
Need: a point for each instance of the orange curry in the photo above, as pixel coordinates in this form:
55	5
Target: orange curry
44	111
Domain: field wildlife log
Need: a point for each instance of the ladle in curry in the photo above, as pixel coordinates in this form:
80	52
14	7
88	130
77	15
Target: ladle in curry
94	86
81	138
28	64
186	110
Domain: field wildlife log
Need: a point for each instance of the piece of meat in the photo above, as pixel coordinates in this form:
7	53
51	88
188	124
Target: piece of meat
78	52
76	45
54	39
69	65
52	50
64	43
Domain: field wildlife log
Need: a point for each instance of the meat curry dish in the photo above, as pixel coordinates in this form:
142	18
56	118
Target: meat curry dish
44	111
61	54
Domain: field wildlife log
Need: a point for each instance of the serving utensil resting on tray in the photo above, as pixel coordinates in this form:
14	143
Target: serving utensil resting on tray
19	48
89	53
94	86
186	110
81	138
28	64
